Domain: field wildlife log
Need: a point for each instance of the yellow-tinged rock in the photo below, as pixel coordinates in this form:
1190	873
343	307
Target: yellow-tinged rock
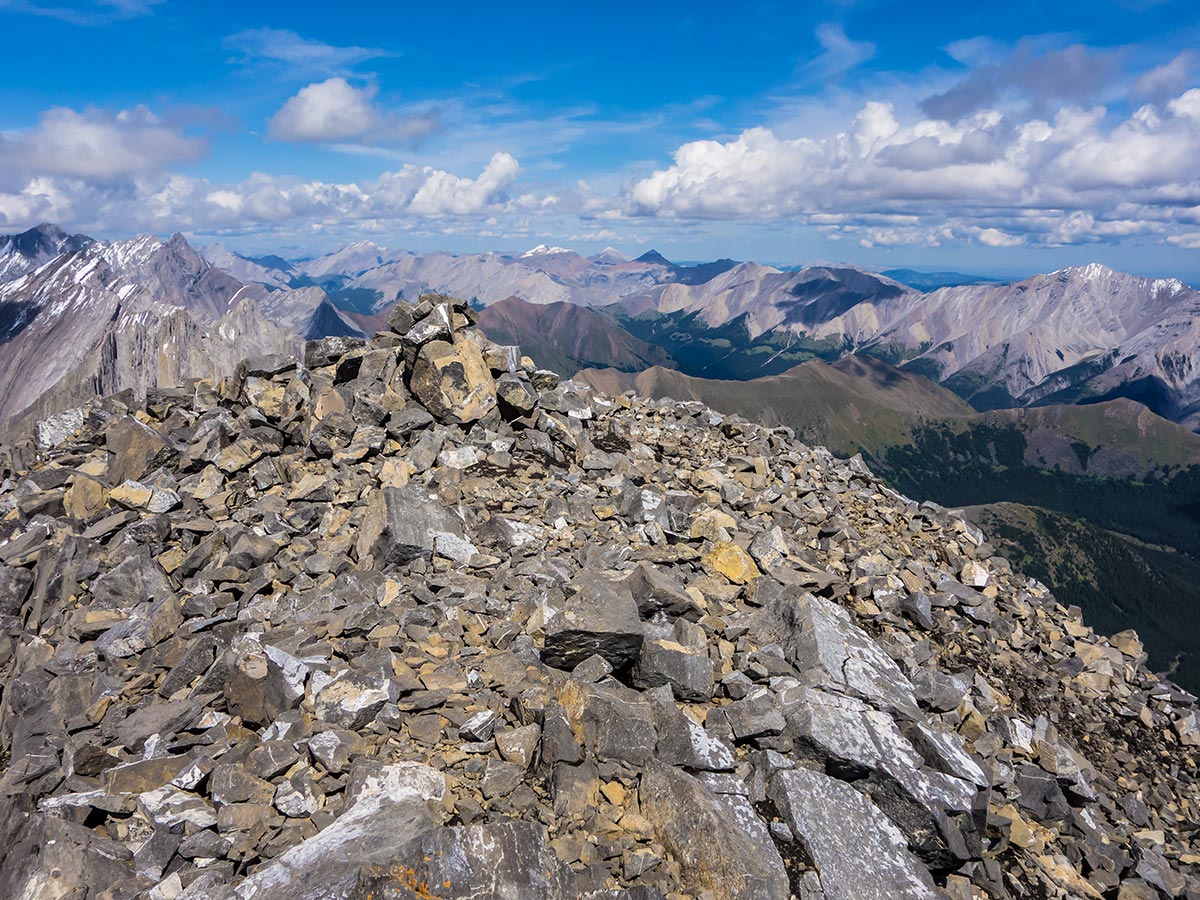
453	382
713	524
1127	642
730	560
614	792
328	402
97	466
635	823
1064	876
1020	832
172	559
912	582
84	498
1077	629
132	495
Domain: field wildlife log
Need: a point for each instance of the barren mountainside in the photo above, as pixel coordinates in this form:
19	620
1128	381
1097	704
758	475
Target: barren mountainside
1080	335
416	619
567	338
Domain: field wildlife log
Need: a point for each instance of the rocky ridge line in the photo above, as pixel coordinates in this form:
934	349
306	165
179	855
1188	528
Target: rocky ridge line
416	619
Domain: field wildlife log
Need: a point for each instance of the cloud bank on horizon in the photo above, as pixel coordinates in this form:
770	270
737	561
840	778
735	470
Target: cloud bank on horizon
865	133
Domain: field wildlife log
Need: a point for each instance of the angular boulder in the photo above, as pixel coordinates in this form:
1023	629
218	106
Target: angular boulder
859	854
505	860
851	739
453	382
402	524
831	652
391	813
717	857
679	659
601	618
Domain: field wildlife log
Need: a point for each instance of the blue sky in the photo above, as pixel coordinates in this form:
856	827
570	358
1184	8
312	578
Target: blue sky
932	134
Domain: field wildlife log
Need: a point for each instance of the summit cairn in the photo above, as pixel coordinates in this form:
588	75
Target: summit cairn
413	618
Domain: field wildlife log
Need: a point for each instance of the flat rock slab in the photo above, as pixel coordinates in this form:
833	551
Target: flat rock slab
718	858
505	861
858	852
393	811
831	652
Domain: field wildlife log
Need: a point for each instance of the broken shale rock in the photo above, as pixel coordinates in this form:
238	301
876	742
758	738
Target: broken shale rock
417	619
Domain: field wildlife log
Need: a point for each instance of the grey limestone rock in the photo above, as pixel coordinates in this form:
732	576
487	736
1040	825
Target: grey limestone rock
859	854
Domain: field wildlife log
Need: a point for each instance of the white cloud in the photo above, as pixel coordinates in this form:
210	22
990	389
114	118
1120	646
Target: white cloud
334	111
991	178
299	54
1189	241
95	144
441	193
839	54
172	201
1168	79
994	237
97	12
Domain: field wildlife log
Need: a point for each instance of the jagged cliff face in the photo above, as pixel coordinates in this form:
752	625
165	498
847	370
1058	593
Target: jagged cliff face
134	315
24	252
417	619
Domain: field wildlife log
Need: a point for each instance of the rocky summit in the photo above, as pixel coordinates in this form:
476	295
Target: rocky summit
412	618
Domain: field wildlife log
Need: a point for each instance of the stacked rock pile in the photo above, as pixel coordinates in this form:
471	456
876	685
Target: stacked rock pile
416	619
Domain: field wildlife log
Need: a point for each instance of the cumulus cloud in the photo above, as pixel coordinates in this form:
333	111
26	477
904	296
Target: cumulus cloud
991	178
334	110
95	144
299	54
172	201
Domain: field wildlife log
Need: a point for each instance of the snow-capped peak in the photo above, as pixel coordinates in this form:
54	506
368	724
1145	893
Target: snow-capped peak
123	254
544	250
611	256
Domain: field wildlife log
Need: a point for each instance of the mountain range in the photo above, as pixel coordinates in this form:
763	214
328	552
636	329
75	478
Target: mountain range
1071	396
1078	335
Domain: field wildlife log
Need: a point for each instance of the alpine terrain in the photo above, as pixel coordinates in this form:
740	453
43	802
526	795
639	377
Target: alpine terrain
1064	395
414	618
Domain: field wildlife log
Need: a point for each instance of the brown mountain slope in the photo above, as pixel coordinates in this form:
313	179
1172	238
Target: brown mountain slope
566	338
1123	438
856	403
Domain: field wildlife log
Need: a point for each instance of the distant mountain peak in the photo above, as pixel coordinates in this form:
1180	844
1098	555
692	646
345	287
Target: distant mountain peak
545	250
653	257
24	252
1092	272
610	256
1088	272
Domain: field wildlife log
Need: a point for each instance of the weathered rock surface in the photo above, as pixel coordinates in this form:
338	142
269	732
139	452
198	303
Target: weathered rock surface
416	619
859	854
